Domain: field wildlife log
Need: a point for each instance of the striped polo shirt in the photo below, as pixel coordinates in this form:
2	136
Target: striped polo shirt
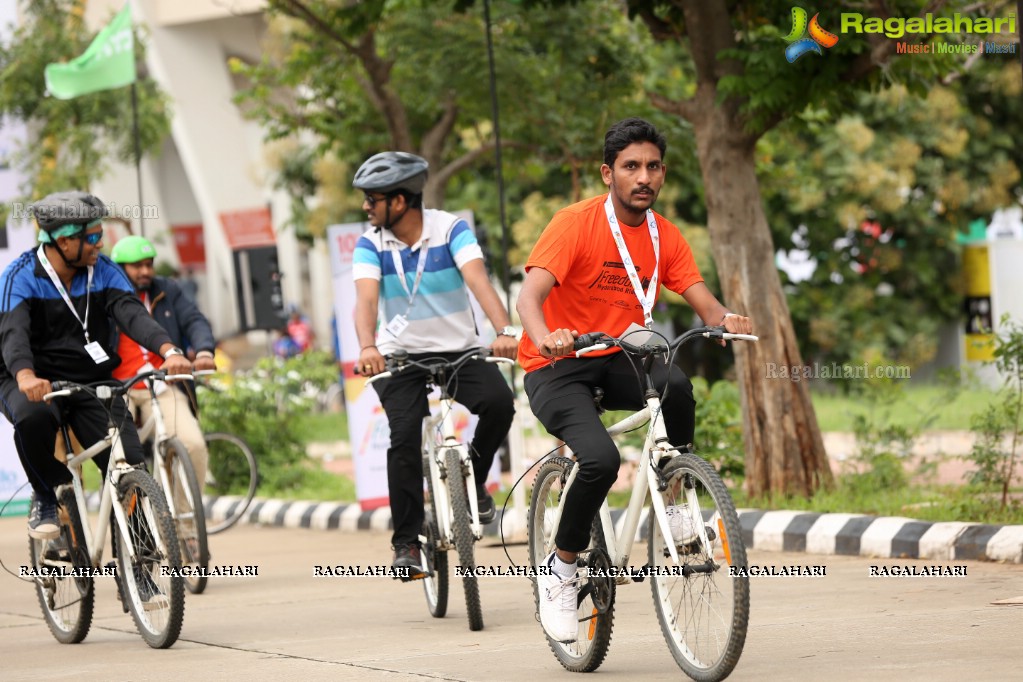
441	318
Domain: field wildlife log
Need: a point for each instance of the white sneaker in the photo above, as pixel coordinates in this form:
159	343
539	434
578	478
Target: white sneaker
558	608
683	530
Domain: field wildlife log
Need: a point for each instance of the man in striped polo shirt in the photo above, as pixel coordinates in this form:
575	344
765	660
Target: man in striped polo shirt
413	274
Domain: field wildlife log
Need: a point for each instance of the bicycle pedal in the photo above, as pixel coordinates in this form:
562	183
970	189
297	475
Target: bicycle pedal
412	577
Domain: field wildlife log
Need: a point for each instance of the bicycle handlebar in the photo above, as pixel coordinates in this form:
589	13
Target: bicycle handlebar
106	389
399	361
594	341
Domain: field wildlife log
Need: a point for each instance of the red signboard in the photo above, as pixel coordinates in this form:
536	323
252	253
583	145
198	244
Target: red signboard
191	249
248	228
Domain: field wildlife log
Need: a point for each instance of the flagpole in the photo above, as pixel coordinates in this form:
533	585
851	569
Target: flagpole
138	155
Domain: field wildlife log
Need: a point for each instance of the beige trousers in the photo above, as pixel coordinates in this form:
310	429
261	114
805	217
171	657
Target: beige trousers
180	422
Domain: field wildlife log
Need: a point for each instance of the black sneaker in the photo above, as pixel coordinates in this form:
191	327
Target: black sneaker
486	506
150	595
42	518
408	558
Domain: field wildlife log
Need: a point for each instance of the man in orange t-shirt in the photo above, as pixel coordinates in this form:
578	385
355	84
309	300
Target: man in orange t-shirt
578	281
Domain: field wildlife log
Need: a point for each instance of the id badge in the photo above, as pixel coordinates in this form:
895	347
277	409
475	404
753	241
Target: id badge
397	325
96	352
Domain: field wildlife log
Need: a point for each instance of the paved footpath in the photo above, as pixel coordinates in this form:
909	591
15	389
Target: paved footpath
286	624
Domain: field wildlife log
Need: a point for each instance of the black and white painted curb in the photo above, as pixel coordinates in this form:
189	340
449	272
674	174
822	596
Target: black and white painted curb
781	531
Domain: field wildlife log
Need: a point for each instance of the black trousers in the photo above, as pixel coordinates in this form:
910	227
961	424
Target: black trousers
561	397
481	388
35	433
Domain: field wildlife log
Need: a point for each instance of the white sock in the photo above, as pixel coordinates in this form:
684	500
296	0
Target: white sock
564	570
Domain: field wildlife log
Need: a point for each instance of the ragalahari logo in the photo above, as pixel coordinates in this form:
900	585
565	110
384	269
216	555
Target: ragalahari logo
800	45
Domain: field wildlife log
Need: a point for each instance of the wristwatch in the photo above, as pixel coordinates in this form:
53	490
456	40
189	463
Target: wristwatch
173	351
510	331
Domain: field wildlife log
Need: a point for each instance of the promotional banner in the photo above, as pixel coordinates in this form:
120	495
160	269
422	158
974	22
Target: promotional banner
19	235
367	424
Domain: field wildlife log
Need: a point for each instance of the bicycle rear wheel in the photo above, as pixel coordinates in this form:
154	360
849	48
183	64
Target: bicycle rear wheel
596	609
67	602
464	540
231	466
189	516
151	584
435	561
703	613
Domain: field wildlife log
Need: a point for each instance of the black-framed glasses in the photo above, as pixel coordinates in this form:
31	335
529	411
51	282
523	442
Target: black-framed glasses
372	200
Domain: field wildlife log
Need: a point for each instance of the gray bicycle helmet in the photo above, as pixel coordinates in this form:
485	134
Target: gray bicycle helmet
388	172
67	208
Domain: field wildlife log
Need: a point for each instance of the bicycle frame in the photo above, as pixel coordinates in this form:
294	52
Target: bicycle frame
96	538
619	545
156	428
435	457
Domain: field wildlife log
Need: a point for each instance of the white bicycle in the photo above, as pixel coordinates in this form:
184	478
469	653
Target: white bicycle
694	537
452	514
148	559
172	469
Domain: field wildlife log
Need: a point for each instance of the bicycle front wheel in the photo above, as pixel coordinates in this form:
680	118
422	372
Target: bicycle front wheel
435	561
596	609
66	599
151	582
702	609
464	539
189	517
231	466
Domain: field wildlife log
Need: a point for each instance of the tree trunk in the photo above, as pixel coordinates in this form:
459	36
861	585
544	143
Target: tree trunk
784	450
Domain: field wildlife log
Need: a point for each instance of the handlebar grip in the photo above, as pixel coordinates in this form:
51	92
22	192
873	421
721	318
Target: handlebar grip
587	340
376	377
57	394
728	336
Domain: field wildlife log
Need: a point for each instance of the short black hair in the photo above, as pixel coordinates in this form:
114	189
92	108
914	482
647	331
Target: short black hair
413	200
625	132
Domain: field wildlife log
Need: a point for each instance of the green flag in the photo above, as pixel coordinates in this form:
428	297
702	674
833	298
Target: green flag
109	62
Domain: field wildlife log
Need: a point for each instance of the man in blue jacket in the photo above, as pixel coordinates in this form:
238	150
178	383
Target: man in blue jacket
187	327
56	307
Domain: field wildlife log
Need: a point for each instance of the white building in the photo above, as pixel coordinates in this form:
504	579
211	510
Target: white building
211	167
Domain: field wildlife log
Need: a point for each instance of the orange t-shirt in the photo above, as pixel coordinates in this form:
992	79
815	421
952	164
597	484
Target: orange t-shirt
593	291
133	356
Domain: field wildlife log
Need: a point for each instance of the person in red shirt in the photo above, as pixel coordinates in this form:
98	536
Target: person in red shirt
598	266
187	326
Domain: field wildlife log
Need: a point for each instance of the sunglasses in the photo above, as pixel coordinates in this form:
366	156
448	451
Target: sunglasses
93	239
372	200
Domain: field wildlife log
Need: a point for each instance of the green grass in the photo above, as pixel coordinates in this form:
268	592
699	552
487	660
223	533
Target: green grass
835	412
925	503
320	427
319	485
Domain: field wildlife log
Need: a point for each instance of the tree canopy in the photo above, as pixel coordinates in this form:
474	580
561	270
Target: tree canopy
71	142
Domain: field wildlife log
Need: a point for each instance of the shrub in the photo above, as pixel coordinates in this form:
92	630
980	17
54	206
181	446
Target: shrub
260	406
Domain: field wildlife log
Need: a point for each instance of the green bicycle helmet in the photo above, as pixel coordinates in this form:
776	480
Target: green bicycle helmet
132	249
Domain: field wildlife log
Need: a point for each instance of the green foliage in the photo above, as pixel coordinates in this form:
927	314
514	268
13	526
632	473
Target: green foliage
875	196
997	464
413	75
883	445
262	407
719	426
73	141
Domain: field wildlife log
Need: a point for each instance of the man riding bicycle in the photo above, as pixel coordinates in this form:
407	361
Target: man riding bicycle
598	266
414	273
187	327
55	323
